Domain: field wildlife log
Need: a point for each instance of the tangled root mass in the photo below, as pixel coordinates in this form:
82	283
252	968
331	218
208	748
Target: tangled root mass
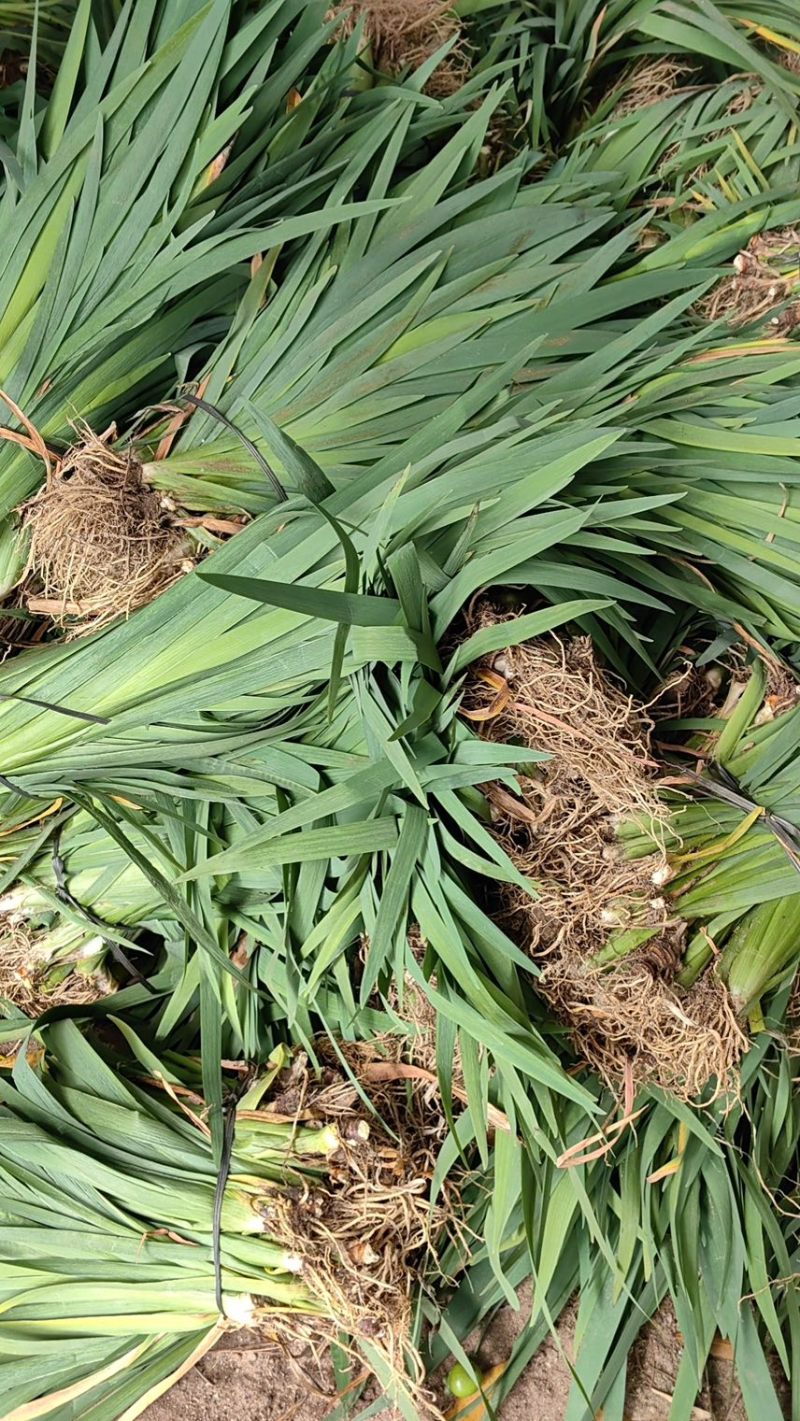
648	81
765	279
623	1008
32	981
100	542
363	1237
403	34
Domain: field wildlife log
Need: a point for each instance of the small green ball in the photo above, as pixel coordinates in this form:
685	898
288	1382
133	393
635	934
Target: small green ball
460	1382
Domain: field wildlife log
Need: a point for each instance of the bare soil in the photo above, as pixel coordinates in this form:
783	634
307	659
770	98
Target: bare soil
244	1380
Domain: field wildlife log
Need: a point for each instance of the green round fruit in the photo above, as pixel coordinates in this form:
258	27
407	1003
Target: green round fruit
460	1382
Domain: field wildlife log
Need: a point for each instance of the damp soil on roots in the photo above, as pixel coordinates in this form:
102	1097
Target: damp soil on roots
600	927
101	543
403	34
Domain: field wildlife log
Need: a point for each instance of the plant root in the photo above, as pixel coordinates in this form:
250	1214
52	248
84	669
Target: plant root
101	544
364	1237
649	81
403	34
788	59
675	1039
766	277
35	982
624	1011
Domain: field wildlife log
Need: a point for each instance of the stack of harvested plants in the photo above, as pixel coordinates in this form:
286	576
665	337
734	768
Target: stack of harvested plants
292	1210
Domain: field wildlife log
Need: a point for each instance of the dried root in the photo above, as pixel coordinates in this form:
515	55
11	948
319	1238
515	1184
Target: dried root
364	1238
101	543
692	691
648	82
409	1125
33	982
556	699
359	1240
783	692
404	33
766	277
410	1055
678	1040
788	59
622	1007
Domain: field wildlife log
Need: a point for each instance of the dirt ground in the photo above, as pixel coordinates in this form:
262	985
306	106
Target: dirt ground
241	1381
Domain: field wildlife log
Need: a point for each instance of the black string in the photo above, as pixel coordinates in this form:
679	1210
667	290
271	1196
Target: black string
229	1109
59	710
51	706
728	789
15	789
110	940
248	443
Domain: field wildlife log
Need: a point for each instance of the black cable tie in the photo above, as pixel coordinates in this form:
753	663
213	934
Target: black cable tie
223	1173
53	706
252	448
15	789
